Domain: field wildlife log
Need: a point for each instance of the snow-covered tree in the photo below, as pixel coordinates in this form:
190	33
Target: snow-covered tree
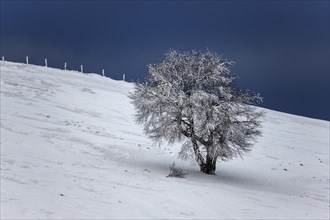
191	96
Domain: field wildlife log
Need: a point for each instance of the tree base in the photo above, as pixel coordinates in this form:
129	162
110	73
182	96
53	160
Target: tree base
210	170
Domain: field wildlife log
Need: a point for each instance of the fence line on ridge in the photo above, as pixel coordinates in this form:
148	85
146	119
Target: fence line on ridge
65	66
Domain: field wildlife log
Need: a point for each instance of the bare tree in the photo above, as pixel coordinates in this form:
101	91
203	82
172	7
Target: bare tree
192	96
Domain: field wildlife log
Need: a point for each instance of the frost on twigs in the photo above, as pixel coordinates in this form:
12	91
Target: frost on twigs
191	97
176	172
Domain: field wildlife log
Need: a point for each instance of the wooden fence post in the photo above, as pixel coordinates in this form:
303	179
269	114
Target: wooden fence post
81	68
102	72
46	63
27	60
64	65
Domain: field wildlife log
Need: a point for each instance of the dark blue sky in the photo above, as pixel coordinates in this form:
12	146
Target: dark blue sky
281	49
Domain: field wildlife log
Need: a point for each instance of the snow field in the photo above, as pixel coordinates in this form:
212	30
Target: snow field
70	149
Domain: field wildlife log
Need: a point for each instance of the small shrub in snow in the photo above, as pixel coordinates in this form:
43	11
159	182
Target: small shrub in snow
176	172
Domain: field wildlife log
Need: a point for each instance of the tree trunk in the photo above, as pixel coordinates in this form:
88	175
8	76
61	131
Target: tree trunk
198	155
210	165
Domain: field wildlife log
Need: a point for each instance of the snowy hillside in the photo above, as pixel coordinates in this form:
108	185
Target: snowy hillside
70	149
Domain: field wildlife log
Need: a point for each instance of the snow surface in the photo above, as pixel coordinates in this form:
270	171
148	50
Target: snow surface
70	149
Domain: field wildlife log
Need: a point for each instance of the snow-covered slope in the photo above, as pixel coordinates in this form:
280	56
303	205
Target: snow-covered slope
70	149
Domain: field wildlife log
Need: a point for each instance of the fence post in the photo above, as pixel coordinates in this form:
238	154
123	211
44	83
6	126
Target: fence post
27	60
123	77
64	65
81	68
3	58
46	63
102	72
